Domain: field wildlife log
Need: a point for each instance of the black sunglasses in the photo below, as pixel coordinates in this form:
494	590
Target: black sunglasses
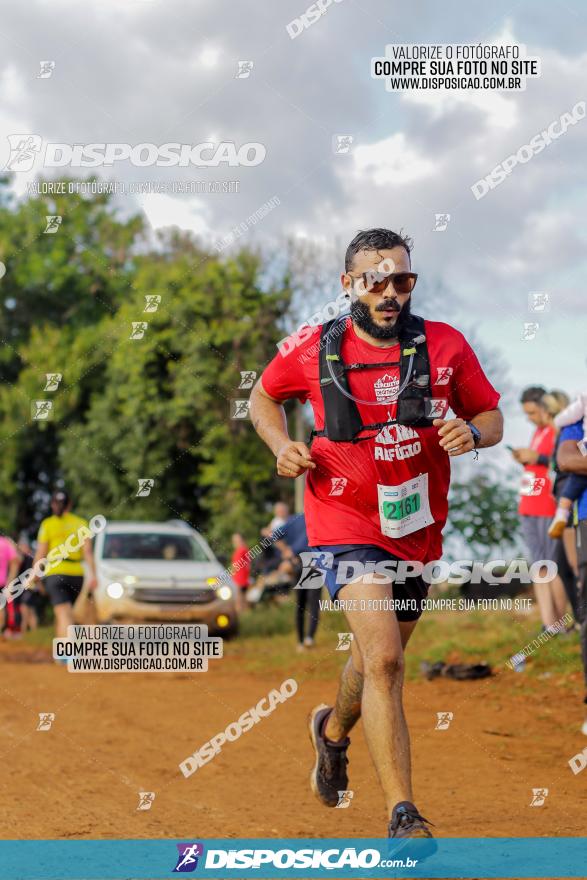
377	282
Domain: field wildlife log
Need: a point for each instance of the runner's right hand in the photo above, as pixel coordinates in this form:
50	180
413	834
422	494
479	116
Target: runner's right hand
293	459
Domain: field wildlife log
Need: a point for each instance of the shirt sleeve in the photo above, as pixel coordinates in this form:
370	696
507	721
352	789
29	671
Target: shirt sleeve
43	532
285	377
11	552
471	392
571	432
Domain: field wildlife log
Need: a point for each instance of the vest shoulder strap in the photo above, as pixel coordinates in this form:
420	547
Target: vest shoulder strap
342	420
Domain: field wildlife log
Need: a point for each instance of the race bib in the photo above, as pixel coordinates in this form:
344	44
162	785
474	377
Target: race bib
405	508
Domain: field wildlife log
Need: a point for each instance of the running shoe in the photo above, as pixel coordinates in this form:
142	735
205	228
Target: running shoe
406	821
329	775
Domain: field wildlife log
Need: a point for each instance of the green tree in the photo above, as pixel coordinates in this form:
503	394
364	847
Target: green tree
156	406
483	514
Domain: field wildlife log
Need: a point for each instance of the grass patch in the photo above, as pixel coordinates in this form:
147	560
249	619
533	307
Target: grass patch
266	644
41	637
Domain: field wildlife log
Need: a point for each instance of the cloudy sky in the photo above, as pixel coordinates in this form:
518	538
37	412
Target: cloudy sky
134	71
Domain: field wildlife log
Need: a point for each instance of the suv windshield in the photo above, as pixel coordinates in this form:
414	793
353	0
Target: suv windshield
153	545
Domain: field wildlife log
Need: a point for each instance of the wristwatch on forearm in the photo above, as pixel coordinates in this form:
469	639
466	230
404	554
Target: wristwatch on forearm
476	434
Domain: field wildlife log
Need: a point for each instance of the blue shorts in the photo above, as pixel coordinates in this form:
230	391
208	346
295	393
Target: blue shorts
408	596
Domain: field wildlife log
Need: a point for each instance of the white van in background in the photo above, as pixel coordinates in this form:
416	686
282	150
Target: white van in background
160	572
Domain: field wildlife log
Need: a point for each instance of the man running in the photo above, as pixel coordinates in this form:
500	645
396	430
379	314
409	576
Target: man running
377	483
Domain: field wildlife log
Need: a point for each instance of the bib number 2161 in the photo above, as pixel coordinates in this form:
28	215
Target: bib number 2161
405	508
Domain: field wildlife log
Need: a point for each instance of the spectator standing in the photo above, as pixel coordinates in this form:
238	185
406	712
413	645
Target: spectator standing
64	579
9	563
570	460
241	568
566	550
292	544
537	504
33	601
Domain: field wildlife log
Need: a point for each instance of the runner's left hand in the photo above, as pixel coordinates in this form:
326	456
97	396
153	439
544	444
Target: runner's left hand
456	437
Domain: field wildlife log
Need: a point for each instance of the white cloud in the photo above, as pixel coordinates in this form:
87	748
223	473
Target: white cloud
163	210
393	161
12	85
499	108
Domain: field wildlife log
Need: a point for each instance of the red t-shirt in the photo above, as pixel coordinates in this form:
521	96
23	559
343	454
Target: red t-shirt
342	499
241	573
536	498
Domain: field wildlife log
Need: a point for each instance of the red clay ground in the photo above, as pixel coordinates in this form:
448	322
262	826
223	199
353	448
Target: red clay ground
117	734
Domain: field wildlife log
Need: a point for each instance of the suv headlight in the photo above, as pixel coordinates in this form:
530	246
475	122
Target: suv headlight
115	590
224	593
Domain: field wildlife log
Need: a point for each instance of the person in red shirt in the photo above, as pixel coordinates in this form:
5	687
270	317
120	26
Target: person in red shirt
381	498
240	567
537	504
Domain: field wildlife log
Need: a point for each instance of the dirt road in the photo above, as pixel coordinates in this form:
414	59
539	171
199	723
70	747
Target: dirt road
115	735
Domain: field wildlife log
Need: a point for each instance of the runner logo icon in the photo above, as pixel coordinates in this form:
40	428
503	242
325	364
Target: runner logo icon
247	378
152	302
23	151
344	799
344	641
444	719
436	408
46	719
53	223
443	375
338	485
146	799
187	860
531	485
53	380
539	795
313	563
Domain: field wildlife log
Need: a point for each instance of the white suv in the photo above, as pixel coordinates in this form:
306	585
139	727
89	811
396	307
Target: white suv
161	571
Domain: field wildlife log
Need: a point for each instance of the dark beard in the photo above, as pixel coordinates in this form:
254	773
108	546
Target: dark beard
361	316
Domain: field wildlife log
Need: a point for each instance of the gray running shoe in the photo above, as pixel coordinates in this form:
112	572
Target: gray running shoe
329	774
406	821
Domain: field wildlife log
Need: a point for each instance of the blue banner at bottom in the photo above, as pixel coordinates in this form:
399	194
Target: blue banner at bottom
303	858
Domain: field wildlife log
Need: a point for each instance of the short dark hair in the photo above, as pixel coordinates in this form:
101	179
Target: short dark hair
533	394
375	240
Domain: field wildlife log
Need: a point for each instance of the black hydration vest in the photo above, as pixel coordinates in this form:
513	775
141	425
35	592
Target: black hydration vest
342	421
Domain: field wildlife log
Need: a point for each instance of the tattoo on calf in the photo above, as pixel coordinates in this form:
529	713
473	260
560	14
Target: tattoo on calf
347	710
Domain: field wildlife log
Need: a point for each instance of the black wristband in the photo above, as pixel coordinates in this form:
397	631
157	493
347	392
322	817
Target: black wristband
543	460
475	432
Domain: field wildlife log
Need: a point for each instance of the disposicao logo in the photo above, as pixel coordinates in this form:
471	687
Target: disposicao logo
188	855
